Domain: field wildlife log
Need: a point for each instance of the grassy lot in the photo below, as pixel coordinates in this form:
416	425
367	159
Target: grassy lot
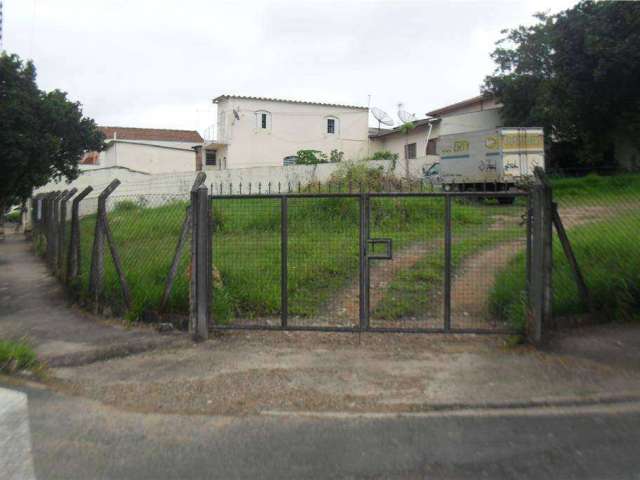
16	355
323	249
606	248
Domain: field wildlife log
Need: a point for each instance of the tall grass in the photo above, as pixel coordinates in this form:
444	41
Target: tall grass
609	255
323	250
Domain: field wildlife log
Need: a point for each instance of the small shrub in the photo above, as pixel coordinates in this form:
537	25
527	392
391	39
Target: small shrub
14	216
384	155
16	356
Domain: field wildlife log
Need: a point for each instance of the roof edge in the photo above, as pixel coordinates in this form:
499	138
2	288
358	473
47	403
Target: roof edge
461	104
222	98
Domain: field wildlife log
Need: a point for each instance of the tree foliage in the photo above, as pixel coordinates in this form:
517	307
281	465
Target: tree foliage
42	136
575	73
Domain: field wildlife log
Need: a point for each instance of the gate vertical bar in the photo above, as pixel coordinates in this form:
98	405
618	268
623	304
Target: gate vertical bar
447	263
284	260
529	233
364	262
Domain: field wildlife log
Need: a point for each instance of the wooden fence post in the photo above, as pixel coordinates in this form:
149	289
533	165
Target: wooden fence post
200	294
96	275
186	225
73	256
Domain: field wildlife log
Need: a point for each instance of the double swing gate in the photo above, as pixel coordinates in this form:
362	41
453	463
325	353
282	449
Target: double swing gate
377	262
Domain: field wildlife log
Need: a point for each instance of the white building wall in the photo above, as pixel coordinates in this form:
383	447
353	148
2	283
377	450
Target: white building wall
148	158
470	122
293	127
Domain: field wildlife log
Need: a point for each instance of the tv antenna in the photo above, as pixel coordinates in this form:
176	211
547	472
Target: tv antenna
404	116
382	117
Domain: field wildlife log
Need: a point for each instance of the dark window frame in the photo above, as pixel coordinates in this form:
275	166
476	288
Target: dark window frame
331	126
215	158
410	151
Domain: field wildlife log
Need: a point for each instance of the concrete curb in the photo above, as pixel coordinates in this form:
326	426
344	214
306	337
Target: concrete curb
117	350
477	408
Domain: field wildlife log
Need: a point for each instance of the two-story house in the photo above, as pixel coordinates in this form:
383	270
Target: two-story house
259	132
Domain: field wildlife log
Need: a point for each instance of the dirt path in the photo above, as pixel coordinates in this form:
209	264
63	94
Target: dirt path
346	304
473	279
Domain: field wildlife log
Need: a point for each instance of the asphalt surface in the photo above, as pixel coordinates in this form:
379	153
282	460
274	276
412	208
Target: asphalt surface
75	438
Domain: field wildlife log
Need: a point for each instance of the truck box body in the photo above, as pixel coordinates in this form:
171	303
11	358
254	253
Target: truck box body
500	156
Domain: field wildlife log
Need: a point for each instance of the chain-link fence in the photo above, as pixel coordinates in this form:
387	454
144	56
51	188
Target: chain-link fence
596	253
293	255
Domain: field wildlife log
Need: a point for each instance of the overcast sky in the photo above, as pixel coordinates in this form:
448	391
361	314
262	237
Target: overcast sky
159	63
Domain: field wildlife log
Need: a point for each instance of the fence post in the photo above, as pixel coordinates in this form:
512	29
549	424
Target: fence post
201	270
540	293
62	229
73	256
96	275
55	230
50	208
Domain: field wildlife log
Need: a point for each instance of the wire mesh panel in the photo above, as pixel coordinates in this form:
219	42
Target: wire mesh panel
405	290
246	261
323	261
146	230
487	235
601	216
88	216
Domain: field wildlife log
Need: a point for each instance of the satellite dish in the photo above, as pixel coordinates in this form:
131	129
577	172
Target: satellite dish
382	117
404	116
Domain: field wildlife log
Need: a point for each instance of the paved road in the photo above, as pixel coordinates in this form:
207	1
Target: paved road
77	438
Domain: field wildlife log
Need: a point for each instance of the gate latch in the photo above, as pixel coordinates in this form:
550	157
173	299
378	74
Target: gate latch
381	241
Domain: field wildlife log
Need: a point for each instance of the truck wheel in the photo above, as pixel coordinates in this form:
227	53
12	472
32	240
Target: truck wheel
506	200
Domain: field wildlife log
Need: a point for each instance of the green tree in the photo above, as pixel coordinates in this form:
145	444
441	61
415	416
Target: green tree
576	74
43	135
310	157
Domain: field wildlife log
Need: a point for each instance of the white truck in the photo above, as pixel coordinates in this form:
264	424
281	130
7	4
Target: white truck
487	160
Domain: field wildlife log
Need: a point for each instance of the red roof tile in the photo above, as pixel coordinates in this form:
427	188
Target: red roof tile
158	134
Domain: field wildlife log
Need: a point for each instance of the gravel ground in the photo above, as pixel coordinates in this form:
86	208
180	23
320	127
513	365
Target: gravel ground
257	372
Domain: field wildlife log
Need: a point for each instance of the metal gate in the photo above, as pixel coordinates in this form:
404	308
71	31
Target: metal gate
379	262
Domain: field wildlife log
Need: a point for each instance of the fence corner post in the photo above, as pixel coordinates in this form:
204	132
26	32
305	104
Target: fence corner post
539	312
201	269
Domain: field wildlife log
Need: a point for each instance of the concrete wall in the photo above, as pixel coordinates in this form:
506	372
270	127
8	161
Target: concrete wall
178	185
292	127
150	158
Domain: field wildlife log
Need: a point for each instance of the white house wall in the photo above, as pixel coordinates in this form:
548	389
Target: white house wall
293	127
148	158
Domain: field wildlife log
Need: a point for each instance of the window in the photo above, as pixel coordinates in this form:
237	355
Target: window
263	120
290	160
431	147
210	158
410	151
332	126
